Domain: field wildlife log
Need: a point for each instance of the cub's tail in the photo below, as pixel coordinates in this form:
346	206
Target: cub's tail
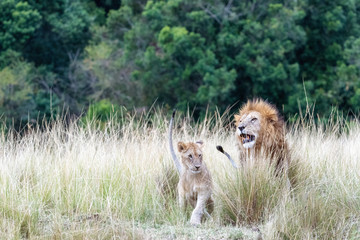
173	155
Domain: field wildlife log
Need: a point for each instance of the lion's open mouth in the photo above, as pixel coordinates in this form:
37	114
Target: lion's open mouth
246	138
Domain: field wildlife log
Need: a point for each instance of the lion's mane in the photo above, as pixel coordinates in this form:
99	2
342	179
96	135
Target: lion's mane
271	140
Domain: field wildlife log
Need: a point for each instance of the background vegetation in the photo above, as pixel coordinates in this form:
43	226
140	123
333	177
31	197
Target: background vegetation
108	174
63	54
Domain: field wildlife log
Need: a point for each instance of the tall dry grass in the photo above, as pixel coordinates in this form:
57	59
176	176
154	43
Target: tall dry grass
83	181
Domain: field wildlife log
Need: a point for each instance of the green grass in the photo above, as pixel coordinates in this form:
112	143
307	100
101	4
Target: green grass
78	181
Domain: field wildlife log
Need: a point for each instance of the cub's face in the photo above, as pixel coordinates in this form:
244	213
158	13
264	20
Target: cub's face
191	156
248	128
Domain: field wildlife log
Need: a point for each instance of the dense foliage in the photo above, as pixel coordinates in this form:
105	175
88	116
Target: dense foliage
63	54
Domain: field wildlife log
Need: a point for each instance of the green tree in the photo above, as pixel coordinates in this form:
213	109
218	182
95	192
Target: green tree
64	30
56	48
41	45
16	101
266	41
328	25
20	99
19	21
347	86
199	53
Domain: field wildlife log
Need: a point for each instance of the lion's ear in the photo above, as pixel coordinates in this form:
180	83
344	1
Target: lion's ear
272	118
200	143
181	146
237	117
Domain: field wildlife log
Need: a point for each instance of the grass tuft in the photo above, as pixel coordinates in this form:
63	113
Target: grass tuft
246	196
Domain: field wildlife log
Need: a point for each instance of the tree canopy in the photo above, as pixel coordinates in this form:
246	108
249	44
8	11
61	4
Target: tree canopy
200	54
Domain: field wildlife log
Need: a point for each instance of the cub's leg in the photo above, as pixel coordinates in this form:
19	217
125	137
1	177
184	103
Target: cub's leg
182	199
210	205
193	200
199	209
209	208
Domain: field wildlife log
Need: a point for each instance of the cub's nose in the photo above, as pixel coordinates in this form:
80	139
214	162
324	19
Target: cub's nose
241	128
197	167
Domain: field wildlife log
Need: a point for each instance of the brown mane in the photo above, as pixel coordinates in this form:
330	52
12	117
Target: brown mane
271	139
266	109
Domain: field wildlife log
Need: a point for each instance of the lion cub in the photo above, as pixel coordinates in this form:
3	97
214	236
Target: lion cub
195	184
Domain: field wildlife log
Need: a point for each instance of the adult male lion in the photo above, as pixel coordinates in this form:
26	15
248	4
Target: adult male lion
195	184
260	131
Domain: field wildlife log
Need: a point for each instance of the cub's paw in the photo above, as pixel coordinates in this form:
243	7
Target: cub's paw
195	221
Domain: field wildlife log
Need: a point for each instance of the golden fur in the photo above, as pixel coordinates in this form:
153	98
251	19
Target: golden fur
259	120
195	184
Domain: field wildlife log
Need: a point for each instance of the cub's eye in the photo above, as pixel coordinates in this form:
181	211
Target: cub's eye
200	155
190	156
253	120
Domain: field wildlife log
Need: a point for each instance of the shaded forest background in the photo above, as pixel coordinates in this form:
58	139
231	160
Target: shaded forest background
62	54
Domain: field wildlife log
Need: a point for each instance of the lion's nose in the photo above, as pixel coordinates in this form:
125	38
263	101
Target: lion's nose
241	128
197	167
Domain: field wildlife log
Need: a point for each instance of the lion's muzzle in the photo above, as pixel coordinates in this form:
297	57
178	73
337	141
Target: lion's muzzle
246	138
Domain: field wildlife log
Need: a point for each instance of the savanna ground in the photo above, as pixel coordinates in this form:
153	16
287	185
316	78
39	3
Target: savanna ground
116	180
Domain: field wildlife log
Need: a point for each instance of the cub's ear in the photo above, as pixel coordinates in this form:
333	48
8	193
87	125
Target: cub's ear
200	143
237	118
181	146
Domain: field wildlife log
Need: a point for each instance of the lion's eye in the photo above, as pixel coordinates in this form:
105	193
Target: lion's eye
253	120
200	155
190	156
